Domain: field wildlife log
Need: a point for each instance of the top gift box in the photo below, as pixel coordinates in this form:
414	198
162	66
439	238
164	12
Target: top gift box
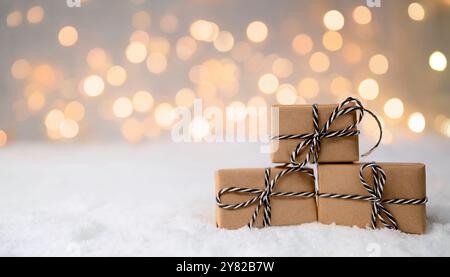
312	134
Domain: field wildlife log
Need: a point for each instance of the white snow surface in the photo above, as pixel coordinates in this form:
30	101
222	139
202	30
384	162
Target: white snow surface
158	199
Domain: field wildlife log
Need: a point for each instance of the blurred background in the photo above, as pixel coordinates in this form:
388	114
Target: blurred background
113	70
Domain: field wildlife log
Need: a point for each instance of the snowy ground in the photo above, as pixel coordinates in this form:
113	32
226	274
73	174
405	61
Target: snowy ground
159	200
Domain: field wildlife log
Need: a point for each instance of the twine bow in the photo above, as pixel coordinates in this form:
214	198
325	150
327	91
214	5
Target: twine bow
379	211
262	197
313	140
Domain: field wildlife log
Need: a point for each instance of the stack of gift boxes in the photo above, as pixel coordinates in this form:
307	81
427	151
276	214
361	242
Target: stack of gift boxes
319	178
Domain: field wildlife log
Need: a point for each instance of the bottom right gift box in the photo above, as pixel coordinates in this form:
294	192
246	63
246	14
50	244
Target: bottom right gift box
374	195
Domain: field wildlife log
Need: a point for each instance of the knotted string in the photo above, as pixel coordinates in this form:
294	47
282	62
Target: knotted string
262	197
313	140
379	211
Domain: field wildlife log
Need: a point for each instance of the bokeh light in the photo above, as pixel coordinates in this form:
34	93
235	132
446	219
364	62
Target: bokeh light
3	138
93	85
286	94
416	11
302	44
332	41
185	97
362	15
257	31
416	122
268	83
69	128
334	20
14	19
74	111
438	61
308	88
141	20
98	59
169	23
116	76
35	14
132	130
68	36
379	64
282	68
394	108
21	69
224	41
136	52
142	101
319	62
164	115
204	30
122	107
369	89
156	63
54	119
236	111
199	128
185	48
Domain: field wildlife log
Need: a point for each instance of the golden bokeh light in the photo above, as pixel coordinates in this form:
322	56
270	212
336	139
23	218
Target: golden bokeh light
308	88
257	102
159	45
352	53
185	48
416	122
21	69
14	19
236	111
334	20
257	31
53	119
140	36
156	63
168	23
98	60
69	128
142	101
362	15
136	52
116	76
332	41
416	11
68	36
74	111
204	30
286	94
241	51
199	128
35	14
394	108
379	64
438	61
164	115
36	101
185	97
282	68
268	83
319	62
224	42
122	107
3	138
93	85
369	89
302	44
141	20
132	130
45	75
341	86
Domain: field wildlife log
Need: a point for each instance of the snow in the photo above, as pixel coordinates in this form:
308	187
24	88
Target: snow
158	199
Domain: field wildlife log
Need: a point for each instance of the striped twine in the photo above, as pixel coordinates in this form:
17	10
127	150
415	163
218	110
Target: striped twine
379	211
313	140
262	197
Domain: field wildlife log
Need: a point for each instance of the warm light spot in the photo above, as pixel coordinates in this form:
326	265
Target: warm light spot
319	62
168	23
136	52
3	138
224	41
35	15
185	48
142	101
132	130
236	111
14	19
21	69
416	12
438	61
68	128
93	85
268	83
379	64
185	97
140	36
45	75
302	44
141	20
446	128
68	36
156	63
75	111
369	89
341	86
308	88
257	102
97	59
159	45
164	115
54	119
334	20
199	128
204	30
362	15
257	31
352	53
286	94
116	76
36	101
122	107
416	122
282	68
332	41
394	108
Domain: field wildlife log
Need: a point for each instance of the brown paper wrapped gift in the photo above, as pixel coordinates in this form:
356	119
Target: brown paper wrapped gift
284	210
402	181
298	119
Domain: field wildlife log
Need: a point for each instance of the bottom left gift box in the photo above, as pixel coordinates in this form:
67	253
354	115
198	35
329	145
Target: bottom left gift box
263	197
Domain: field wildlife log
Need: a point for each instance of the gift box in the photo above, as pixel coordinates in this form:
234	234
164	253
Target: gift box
298	120
264	197
391	195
